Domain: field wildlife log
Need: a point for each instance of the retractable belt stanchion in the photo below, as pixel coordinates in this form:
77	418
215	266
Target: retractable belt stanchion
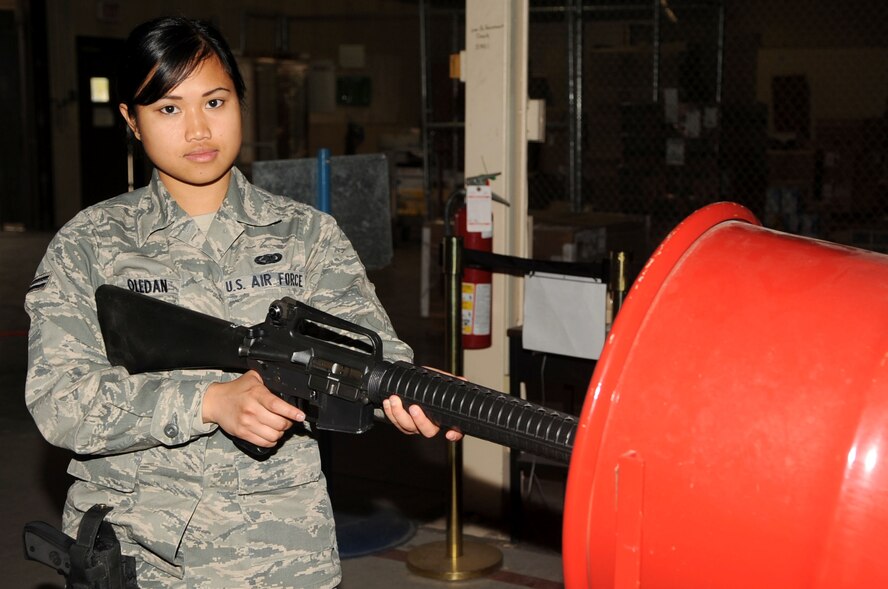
454	559
617	284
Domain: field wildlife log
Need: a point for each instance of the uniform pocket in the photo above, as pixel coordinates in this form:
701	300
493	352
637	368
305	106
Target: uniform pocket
151	570
116	472
296	462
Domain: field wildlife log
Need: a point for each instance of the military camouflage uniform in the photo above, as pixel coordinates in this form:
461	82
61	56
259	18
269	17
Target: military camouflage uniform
195	510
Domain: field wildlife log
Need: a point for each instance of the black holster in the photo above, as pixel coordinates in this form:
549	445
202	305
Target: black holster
96	561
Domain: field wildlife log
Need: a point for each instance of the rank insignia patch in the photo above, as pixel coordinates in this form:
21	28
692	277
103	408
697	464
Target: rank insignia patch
39	282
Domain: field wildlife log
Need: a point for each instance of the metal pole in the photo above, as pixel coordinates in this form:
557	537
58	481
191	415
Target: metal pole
578	24
618	262
424	91
453	286
323	185
454	560
720	55
573	99
655	83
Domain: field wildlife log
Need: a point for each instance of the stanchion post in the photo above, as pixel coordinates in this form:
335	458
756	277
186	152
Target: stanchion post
618	279
454	560
453	286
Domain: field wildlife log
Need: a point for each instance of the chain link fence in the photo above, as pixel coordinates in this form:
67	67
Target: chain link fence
656	108
443	26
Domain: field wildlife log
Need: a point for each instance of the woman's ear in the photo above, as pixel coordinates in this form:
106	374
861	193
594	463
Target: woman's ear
130	120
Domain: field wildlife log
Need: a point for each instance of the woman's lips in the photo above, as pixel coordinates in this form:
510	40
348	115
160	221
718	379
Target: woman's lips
202	155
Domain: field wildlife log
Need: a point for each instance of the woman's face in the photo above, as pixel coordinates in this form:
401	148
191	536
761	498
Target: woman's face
193	134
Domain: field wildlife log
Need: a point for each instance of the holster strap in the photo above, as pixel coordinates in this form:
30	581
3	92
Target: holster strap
96	561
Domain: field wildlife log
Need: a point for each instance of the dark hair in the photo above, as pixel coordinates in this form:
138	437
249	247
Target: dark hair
161	53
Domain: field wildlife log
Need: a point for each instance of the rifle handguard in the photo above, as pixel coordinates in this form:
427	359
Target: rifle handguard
476	410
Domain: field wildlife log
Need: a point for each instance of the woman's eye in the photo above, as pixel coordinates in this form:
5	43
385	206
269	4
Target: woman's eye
215	103
169	109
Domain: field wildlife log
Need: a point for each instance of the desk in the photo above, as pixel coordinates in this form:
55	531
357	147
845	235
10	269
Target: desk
554	381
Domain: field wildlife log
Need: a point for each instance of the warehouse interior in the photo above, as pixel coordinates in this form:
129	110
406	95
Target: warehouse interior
601	124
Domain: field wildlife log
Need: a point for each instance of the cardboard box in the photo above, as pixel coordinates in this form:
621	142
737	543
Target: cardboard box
409	195
568	243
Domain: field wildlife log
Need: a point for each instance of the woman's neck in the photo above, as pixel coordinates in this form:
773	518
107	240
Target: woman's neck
197	199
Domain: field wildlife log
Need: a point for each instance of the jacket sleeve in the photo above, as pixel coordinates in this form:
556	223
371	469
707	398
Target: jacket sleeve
76	398
339	286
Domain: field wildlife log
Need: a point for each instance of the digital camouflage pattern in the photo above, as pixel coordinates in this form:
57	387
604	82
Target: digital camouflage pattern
187	503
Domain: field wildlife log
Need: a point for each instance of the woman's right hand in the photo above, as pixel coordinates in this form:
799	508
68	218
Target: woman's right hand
246	409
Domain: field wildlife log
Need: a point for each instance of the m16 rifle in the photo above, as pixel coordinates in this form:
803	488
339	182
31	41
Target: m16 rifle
330	368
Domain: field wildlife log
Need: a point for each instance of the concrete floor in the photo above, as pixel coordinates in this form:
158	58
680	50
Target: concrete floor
382	467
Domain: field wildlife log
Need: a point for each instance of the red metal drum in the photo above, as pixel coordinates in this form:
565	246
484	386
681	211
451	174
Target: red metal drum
735	431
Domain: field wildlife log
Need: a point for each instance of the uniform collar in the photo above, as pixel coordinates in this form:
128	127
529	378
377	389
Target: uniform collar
243	205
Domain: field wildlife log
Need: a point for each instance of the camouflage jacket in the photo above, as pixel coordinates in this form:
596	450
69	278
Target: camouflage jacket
145	432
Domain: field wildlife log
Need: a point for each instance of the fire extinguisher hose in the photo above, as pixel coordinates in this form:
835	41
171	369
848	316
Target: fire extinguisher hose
476	410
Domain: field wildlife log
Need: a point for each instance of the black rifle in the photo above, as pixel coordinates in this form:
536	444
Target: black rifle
330	368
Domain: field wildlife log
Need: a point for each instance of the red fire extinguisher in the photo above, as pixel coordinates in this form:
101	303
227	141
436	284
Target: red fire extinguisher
477	287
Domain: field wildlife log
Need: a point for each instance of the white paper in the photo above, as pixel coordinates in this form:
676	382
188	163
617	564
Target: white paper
322	87
479	209
564	315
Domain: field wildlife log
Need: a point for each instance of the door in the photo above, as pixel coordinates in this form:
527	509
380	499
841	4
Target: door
105	168
11	162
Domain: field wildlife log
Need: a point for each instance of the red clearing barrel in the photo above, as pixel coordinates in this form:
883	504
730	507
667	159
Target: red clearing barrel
735	432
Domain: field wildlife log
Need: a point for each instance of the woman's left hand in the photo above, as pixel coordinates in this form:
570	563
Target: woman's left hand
414	420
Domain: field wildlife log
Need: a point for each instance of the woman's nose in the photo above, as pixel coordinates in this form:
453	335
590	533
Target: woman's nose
197	128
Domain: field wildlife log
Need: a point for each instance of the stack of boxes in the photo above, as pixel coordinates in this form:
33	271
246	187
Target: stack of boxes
834	186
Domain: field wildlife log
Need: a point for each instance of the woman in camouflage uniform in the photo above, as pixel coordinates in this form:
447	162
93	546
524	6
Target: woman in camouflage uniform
190	507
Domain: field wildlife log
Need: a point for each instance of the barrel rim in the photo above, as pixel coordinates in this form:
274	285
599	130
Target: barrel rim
593	418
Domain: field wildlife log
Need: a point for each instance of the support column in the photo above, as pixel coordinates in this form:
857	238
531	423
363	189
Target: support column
496	141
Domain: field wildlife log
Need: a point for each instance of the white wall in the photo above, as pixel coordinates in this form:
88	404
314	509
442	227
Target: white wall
496	141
